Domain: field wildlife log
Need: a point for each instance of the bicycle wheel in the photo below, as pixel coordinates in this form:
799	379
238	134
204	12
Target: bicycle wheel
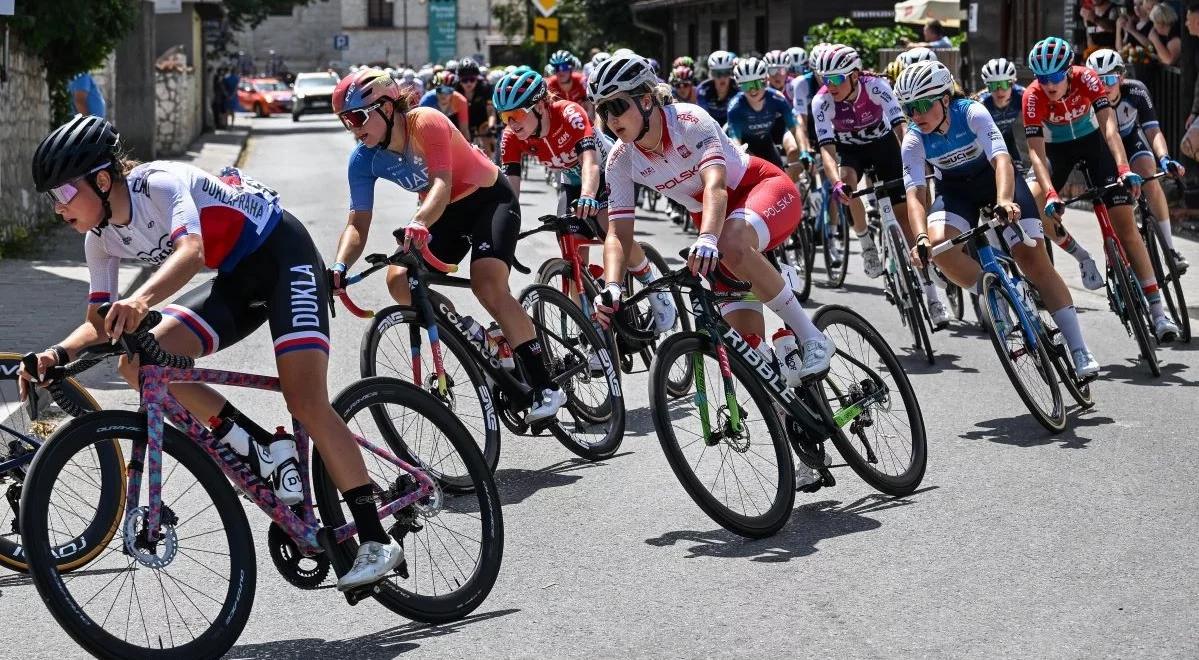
1055	346
591	424
102	477
1168	279
956	300
743	479
187	595
678	382
1027	367
796	253
912	299
886	444
1134	310
454	540
387	351
835	244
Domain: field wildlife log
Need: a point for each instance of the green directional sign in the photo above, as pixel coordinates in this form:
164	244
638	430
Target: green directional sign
443	30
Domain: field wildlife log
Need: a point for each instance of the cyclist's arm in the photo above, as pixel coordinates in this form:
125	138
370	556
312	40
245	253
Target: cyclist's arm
716	199
174	273
353	237
435	201
801	133
912	155
1111	134
990	139
917	213
436	137
462	110
1039	161
511	160
621	214
828	157
589	173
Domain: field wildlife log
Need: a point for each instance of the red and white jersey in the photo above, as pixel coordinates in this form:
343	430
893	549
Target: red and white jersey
577	91
691	142
568	136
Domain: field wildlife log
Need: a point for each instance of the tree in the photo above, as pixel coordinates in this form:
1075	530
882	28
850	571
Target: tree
584	24
867	42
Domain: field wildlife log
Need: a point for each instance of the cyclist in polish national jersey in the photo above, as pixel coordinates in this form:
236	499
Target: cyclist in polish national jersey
960	140
182	220
1068	120
1143	139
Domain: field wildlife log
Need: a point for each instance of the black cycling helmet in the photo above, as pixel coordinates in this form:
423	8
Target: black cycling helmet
79	148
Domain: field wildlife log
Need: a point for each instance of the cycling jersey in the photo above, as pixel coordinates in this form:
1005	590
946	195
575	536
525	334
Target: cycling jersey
967	147
785	90
568	136
744	122
716	107
170	200
802	89
459	109
1135	109
577	91
861	120
1071	117
476	105
433	145
1007	117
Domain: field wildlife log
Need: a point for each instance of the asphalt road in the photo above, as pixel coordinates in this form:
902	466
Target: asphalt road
1019	544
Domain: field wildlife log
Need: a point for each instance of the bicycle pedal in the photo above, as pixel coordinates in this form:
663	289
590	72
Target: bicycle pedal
359	594
536	429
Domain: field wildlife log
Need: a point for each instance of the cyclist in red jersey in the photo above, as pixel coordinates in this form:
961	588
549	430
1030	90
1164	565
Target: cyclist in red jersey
1068	119
567	83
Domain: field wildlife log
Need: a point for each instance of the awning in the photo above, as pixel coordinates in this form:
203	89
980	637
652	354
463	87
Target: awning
949	12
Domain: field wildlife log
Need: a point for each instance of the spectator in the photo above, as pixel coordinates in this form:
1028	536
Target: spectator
934	35
1166	35
1133	29
1100	19
230	83
1190	141
218	98
85	95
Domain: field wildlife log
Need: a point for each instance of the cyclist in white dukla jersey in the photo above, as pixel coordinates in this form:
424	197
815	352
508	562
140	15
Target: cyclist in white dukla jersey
181	219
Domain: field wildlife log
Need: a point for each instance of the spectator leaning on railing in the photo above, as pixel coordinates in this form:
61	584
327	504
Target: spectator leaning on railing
1166	35
1190	141
1133	29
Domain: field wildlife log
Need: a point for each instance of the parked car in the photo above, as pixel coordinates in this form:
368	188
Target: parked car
313	93
264	96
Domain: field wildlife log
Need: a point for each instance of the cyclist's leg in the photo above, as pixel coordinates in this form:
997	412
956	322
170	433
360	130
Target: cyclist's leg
1062	161
956	263
1142	163
1123	221
853	161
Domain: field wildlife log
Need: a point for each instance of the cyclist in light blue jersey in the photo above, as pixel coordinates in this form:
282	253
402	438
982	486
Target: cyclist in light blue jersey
753	112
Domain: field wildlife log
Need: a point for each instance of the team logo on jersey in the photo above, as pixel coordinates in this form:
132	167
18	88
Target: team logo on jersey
563	138
684	151
573	116
159	253
646	172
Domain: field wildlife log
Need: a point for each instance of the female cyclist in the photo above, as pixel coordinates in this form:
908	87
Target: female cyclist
755	111
682	82
465	207
448	100
960	140
182	220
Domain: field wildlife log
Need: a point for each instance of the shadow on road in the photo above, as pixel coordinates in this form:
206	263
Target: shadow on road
1134	372
917	364
1022	430
809	525
381	645
517	485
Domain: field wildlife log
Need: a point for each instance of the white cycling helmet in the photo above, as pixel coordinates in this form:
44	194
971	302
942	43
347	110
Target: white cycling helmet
775	59
451	65
1105	61
838	59
998	70
797	59
749	70
599	58
923	80
917	54
623	52
721	60
619	74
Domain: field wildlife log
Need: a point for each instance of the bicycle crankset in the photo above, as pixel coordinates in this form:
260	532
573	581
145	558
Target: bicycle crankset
299	570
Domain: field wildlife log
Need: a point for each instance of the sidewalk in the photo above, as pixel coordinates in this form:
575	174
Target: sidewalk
43	298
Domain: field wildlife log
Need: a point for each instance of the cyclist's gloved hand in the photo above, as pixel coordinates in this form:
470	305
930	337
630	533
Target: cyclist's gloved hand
607	305
806	158
1054	208
704	254
1131	180
1172	167
839	189
919	250
337	279
415	234
25	380
586	207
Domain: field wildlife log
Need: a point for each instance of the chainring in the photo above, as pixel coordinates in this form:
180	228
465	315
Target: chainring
299	570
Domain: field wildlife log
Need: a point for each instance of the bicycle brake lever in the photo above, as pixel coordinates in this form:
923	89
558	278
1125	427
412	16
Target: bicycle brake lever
29	361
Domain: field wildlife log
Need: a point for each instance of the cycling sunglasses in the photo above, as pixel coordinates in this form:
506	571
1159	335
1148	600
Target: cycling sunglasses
445	89
63	194
469	79
721	73
919	106
613	108
356	118
564	67
1052	78
753	85
509	116
998	85
681	85
1110	79
835	79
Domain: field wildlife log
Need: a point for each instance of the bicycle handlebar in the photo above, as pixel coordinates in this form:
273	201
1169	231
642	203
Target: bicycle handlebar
997	220
1096	191
378	261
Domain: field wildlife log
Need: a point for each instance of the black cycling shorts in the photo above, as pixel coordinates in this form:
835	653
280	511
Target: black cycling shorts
960	201
1136	146
1092	148
283	283
881	154
484	223
764	148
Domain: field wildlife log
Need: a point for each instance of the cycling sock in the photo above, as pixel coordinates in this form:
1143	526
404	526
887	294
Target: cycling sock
1066	319
530	356
789	309
259	434
365	511
931	293
1072	247
1167	233
866	240
643	272
1154	295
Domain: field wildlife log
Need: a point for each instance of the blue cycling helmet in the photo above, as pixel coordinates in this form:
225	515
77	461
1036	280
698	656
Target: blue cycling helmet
518	90
1050	55
562	60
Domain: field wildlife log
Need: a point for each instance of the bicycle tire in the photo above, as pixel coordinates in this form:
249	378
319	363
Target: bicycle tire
956	300
661	403
1168	279
916	311
612	410
843	370
1054	419
1079	391
398	319
78	434
834	243
437	608
111	468
795	252
1132	301
559	267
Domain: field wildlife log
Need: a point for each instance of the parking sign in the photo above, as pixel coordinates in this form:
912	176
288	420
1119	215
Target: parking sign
341	42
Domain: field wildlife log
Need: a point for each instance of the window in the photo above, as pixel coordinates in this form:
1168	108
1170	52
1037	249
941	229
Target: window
717	42
734	43
760	33
379	13
692	39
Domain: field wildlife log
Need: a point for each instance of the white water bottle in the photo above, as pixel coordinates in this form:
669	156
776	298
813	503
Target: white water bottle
764	348
786	350
474	331
289	488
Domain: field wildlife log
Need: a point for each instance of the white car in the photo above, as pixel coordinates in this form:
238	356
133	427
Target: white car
312	93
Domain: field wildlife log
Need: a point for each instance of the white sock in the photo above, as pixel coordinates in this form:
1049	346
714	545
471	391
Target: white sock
788	308
866	240
1066	319
931	293
1167	233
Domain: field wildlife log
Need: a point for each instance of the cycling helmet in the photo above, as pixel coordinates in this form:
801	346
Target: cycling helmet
561	60
749	70
653	64
407	75
451	65
1050	55
619	74
599	58
468	67
774	60
797	59
923	80
681	74
999	69
623	52
576	63
838	59
683	60
917	54
721	60
1105	61
445	79
893	70
518	90
364	88
522	68
75	149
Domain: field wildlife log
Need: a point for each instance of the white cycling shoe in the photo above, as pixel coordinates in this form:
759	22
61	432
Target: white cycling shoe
665	314
547	405
938	314
1165	328
1091	278
373	563
817	356
1085	364
871	263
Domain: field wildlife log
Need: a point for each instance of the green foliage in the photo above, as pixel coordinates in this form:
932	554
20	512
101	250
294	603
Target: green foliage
585	24
867	42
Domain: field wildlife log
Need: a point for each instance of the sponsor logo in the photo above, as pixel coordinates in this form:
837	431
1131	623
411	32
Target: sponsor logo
646	172
157	254
10	370
684	151
304	302
562	138
482	353
777	207
758	362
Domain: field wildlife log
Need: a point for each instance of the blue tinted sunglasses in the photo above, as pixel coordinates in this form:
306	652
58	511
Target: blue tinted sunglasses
566	66
1052	78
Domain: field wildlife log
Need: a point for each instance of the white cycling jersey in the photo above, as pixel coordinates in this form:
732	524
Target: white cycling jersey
691	142
861	120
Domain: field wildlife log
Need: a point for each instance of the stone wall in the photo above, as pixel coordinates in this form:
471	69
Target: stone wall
23	123
175	107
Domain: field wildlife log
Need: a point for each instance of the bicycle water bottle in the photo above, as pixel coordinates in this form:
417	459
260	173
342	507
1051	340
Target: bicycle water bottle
228	432
499	347
1025	296
762	347
288	486
474	331
786	349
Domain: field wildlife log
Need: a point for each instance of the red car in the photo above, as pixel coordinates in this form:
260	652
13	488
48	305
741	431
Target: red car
264	96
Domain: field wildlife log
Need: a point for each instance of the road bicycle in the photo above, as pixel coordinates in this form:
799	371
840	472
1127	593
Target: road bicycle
729	438
1030	347
1165	269
178	580
830	234
429	343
